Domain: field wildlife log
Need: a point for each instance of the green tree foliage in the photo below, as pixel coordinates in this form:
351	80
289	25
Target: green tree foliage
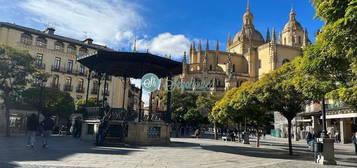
182	102
333	58
92	102
15	68
278	91
54	102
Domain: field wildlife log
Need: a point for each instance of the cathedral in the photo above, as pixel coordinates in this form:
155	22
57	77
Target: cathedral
247	57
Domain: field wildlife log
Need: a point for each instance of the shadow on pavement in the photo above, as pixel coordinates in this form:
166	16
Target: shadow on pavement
13	149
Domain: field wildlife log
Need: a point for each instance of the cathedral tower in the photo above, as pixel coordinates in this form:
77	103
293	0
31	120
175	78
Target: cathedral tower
293	33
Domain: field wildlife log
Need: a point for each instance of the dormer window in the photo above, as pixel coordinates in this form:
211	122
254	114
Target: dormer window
83	51
71	49
41	42
26	39
59	46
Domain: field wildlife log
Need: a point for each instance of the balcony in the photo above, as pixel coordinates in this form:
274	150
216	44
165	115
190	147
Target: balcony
67	88
80	89
40	65
62	69
94	91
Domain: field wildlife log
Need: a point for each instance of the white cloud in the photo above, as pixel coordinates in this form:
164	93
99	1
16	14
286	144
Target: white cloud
165	44
107	22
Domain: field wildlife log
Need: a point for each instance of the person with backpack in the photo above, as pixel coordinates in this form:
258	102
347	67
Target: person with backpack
47	126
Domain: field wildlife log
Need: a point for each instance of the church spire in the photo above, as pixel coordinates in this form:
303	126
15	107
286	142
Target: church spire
199	47
229	40
273	39
207	45
134	45
217	45
268	36
248	17
248	5
292	15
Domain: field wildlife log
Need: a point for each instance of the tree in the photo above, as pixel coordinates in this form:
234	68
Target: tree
277	90
331	62
15	68
246	104
55	102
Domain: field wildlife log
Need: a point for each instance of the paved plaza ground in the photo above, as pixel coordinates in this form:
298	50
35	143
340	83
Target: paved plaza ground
65	152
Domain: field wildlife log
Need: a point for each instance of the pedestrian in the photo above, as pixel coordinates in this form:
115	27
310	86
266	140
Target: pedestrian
31	128
47	126
354	141
197	133
78	127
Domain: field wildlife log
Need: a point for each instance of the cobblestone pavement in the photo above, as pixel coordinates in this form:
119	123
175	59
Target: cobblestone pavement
65	152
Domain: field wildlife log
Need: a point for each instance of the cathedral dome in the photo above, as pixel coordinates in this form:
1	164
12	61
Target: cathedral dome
248	33
292	24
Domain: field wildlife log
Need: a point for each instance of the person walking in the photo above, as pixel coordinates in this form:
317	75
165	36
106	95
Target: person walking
47	126
354	141
31	129
197	133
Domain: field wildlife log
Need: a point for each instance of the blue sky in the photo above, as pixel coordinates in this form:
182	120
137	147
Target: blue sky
164	27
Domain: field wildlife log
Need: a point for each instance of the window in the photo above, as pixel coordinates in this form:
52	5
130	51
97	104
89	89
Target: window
69	66
41	42
285	41
71	49
68	81
55	81
26	39
259	63
80	83
81	69
234	68
299	39
83	51
210	67
57	63
39	58
59	46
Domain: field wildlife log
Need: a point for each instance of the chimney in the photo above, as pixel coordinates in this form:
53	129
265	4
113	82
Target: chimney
88	41
50	31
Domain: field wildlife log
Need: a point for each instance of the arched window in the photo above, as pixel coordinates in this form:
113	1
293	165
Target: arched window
285	61
299	39
234	68
210	67
285	41
69	81
26	39
83	51
55	81
41	42
80	83
71	49
59	46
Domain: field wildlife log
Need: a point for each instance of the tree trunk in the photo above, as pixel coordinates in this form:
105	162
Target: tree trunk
289	138
258	138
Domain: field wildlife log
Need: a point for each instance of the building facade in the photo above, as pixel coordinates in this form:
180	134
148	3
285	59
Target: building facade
248	55
57	55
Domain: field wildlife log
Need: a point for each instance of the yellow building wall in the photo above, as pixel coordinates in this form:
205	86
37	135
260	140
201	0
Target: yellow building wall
11	37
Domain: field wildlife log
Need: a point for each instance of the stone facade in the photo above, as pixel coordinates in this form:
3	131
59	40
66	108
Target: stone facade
247	57
57	55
